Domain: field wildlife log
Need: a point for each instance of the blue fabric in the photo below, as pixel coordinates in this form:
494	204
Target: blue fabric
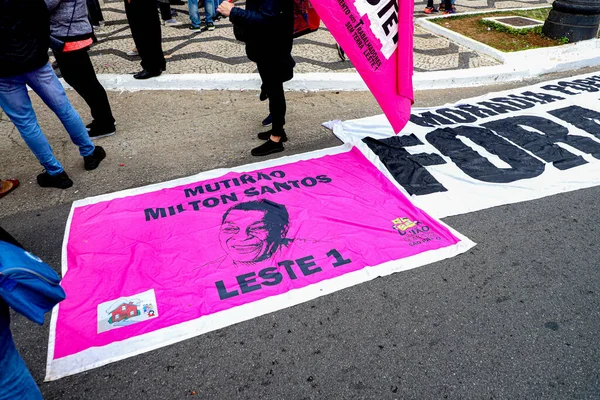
16	103
15	380
259	12
27	285
210	8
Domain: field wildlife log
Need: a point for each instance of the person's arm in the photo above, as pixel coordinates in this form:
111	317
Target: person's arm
245	19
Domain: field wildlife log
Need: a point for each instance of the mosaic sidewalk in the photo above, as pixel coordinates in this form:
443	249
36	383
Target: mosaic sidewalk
218	51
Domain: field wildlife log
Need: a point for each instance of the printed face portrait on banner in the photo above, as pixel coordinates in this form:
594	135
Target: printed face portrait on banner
253	231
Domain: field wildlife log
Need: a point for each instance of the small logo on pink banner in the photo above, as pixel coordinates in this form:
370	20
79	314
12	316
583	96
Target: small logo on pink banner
126	311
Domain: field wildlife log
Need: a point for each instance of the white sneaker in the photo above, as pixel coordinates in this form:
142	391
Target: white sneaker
133	53
171	22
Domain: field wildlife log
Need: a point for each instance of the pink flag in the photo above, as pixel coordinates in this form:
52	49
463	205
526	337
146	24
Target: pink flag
377	36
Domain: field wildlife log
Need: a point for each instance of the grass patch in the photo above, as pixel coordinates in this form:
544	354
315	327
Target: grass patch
498	36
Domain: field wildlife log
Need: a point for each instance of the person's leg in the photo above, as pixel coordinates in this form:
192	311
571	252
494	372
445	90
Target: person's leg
430	8
78	71
134	23
165	11
272	89
277	106
150	51
16	381
448	5
16	103
145	29
44	82
209	8
194	13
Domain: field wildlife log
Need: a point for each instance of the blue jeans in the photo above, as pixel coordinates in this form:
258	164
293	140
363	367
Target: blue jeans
210	6
15	102
15	380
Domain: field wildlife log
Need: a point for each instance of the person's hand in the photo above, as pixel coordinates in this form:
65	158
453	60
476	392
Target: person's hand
225	8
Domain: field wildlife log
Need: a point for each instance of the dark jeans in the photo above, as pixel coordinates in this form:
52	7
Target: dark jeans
145	29
78	71
165	10
272	85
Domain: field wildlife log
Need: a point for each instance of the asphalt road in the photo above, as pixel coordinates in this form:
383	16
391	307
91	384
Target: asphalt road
518	316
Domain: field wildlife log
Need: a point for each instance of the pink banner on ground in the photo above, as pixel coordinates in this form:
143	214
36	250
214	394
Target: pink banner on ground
152	266
377	36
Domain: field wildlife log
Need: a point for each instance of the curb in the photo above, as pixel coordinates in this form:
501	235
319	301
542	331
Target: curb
516	67
327	81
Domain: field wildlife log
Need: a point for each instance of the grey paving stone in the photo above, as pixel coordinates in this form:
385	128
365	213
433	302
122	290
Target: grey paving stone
218	51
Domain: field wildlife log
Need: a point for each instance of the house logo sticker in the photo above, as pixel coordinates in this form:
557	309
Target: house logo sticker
126	311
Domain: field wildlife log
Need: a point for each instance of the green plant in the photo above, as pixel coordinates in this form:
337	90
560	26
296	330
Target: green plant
563	40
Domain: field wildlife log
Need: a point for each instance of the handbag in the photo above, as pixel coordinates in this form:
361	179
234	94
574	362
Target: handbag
27	284
55	43
306	19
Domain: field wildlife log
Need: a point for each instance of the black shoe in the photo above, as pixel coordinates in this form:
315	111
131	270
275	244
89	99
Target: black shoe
267	135
93	160
195	28
263	95
210	26
267	121
269	147
60	181
341	53
217	16
145	74
97	131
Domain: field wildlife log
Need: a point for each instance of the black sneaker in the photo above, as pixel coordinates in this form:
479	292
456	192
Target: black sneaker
210	26
97	131
195	28
267	135
269	147
267	121
93	160
60	181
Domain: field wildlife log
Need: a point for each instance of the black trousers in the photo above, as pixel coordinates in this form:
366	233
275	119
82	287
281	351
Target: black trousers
145	29
78	71
94	12
272	85
165	10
